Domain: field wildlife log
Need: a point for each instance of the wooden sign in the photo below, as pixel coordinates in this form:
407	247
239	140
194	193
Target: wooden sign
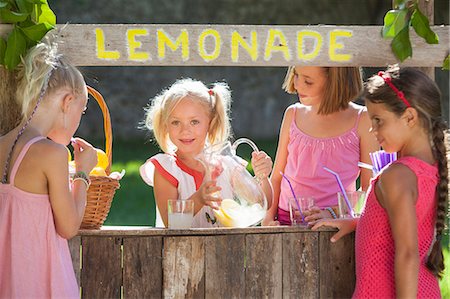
239	45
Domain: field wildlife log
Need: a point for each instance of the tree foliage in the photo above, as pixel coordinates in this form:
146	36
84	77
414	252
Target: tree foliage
31	20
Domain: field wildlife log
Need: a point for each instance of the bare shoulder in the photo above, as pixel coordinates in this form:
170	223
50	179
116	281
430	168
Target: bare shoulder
49	153
398	181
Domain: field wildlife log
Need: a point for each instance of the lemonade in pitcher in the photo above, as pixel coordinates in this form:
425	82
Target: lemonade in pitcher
247	205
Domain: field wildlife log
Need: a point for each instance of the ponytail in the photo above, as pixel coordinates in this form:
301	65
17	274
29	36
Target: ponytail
220	126
440	139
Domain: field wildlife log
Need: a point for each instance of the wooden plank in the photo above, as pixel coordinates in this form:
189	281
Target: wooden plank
183	267
132	231
263	276
239	45
337	266
142	267
75	250
225	266
301	265
101	274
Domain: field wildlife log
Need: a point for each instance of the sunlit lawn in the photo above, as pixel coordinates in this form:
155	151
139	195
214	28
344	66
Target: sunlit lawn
134	204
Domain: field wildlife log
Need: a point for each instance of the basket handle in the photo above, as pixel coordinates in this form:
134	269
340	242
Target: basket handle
106	124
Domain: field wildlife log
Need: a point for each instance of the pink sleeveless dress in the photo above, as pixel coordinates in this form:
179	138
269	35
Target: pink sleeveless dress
307	155
374	243
35	261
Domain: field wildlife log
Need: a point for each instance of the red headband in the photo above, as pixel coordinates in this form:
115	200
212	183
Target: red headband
399	93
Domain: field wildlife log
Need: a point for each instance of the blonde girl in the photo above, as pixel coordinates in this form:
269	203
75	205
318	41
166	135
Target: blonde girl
39	210
325	128
184	119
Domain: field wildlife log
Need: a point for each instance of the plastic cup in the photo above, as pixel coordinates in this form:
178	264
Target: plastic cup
181	213
305	204
357	200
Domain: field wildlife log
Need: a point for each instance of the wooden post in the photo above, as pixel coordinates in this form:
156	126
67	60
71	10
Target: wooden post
9	110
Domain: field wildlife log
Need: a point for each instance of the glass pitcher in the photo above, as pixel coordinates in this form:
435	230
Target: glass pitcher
243	200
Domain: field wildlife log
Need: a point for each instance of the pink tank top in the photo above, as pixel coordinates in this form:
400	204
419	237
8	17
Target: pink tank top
374	243
35	261
308	155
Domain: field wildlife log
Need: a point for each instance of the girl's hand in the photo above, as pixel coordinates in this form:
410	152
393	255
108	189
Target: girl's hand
262	165
315	213
208	194
85	156
345	226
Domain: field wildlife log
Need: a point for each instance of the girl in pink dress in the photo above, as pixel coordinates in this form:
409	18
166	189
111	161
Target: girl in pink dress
38	210
324	129
398	237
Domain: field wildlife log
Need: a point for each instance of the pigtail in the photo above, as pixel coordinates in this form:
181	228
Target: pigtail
220	126
440	138
155	122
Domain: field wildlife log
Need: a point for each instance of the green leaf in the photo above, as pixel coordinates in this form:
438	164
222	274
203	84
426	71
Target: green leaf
394	21
401	45
37	1
421	25
446	64
24	6
2	51
36	32
3	4
15	48
8	16
44	14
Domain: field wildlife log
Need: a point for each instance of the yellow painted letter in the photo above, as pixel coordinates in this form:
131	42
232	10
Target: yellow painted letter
101	52
334	45
133	44
318	41
237	39
282	45
217	44
164	39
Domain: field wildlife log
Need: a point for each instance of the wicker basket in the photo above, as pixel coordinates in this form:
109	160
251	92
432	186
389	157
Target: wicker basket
102	189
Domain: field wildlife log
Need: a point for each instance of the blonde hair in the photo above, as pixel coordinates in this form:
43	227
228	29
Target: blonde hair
217	100
343	85
43	64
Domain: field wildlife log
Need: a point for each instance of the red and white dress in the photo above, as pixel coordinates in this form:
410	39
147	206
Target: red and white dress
187	181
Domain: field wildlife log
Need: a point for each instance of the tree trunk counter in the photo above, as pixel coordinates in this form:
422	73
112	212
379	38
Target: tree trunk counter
258	262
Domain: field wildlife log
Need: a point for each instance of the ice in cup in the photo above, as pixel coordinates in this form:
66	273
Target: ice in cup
181	213
305	203
357	201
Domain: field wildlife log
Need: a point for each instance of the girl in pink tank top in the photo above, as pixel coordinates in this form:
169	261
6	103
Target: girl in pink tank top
326	129
38	210
398	237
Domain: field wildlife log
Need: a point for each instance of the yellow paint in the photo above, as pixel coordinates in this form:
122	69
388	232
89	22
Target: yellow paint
217	44
318	41
101	49
133	44
164	39
237	40
334	45
282	45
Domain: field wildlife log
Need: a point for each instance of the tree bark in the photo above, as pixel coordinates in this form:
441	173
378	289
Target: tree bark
10	115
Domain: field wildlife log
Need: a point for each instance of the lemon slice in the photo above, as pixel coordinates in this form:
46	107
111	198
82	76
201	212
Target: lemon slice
224	220
230	208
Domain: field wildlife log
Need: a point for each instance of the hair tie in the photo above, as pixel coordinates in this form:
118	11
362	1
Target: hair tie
211	92
399	93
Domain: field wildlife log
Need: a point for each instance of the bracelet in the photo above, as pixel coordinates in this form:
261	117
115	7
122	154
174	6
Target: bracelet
331	211
81	176
83	180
